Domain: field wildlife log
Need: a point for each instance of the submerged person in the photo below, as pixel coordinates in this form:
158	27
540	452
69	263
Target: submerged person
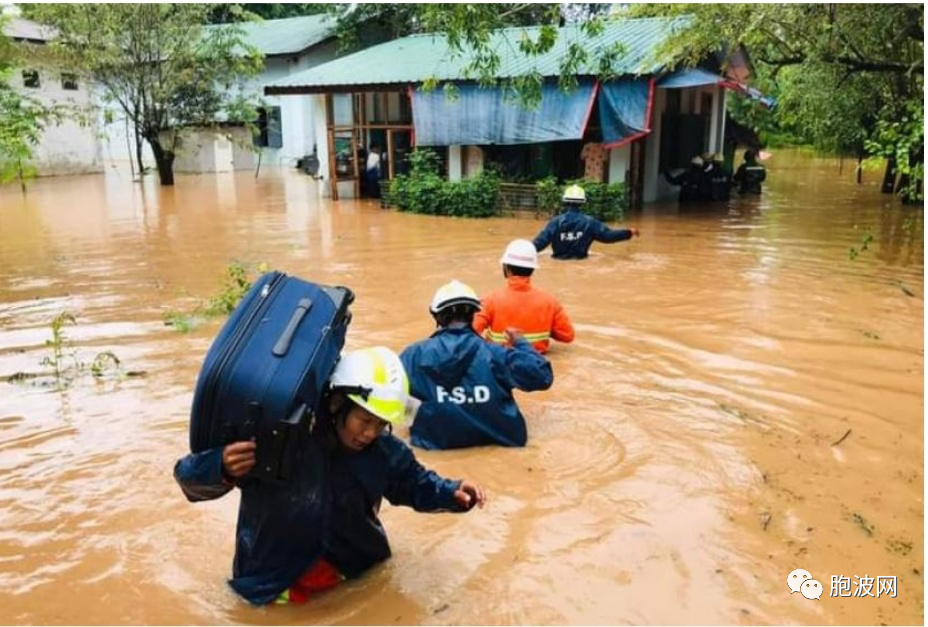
750	174
572	233
465	384
693	183
306	535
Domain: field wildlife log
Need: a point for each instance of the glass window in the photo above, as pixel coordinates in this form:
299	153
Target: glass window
31	79
69	81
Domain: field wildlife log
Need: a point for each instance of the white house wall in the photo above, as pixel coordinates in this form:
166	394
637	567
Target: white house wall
298	131
68	147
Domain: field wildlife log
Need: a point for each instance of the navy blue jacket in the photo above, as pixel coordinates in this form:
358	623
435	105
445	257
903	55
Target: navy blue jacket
465	385
573	232
327	509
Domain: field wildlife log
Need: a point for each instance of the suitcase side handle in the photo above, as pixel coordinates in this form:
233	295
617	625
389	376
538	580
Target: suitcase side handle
283	342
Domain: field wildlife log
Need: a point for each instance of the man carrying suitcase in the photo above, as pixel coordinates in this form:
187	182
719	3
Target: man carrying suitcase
305	535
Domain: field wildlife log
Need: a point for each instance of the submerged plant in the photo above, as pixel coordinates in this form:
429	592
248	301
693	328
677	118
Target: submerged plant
64	360
59	343
853	252
102	361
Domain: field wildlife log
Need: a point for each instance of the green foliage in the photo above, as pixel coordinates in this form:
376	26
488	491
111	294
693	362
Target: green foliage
158	64
469	30
424	190
235	285
605	201
234	288
60	344
903	141
62	352
549	193
102	362
225	13
848	77
854	251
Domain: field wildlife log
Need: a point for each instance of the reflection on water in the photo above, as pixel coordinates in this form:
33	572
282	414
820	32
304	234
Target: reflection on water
686	451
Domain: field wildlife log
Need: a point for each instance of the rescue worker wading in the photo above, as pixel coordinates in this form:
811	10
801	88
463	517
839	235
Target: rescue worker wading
297	538
519	305
750	175
464	383
571	233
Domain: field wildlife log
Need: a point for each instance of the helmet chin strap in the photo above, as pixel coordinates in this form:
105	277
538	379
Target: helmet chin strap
361	391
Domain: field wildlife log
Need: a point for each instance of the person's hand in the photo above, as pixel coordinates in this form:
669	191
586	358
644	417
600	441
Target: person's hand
634	231
470	494
238	458
513	335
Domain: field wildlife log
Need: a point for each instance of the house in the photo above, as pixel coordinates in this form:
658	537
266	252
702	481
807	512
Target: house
73	145
645	120
286	131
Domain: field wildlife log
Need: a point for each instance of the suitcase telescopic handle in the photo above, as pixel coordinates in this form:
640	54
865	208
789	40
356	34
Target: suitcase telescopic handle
283	342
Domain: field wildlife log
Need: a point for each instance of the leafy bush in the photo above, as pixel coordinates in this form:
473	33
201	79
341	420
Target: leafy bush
606	201
424	190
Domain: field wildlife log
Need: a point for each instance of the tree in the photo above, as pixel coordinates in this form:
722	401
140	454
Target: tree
468	29
847	75
157	62
226	13
22	119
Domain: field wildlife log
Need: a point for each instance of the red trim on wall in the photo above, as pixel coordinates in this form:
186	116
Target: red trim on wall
589	109
652	86
412	132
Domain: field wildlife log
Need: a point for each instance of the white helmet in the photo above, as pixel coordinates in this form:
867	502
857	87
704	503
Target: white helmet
454	293
520	253
375	379
574	193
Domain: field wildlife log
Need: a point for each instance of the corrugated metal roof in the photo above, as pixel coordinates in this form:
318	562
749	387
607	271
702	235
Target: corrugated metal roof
416	58
290	35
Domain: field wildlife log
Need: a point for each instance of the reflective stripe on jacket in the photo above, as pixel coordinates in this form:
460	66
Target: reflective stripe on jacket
536	313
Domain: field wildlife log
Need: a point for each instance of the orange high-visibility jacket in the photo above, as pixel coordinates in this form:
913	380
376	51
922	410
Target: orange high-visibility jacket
536	313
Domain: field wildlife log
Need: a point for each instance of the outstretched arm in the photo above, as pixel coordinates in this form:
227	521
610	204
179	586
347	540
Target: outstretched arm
603	233
424	490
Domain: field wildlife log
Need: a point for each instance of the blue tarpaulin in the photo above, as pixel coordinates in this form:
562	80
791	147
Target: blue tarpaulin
625	110
698	77
485	116
690	77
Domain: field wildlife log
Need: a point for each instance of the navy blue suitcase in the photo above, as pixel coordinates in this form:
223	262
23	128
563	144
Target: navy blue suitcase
265	372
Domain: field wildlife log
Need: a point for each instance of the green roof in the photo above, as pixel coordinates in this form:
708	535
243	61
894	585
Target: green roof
416	58
290	35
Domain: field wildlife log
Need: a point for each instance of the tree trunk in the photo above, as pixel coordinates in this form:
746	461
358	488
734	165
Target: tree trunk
860	168
138	151
889	177
164	159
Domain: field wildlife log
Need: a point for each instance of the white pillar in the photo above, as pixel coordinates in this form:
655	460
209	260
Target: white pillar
619	163
455	163
320	131
652	173
717	120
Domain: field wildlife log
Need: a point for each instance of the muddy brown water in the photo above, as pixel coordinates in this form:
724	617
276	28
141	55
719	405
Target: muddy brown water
684	462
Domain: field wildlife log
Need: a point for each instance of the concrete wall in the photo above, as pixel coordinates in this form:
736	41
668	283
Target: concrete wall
212	150
69	147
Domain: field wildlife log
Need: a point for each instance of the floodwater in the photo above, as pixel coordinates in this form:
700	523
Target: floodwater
685	461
